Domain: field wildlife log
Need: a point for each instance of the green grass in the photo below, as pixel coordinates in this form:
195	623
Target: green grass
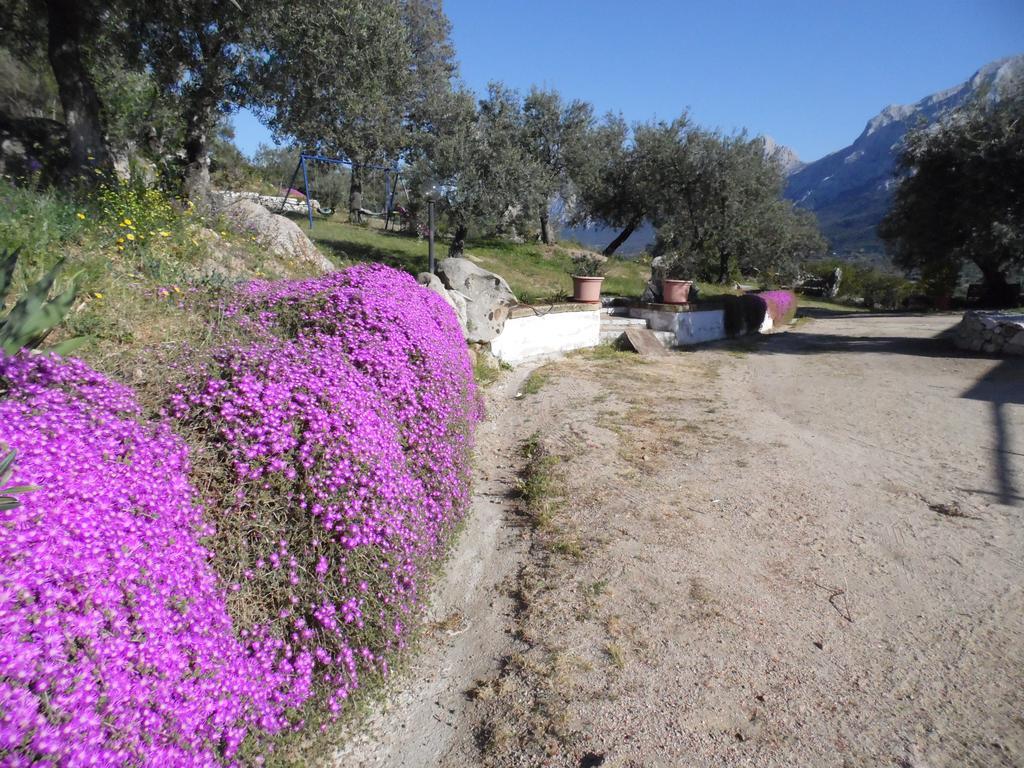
534	382
534	272
807	302
539	486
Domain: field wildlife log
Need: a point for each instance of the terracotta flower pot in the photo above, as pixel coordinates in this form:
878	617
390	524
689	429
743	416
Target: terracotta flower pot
586	288
675	291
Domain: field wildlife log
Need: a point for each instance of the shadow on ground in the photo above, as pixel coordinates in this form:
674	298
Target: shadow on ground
1002	386
348	251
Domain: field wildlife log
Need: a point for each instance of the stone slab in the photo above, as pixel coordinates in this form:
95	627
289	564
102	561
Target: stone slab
644	342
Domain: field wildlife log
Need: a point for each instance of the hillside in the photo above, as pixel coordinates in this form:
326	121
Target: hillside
535	272
850	189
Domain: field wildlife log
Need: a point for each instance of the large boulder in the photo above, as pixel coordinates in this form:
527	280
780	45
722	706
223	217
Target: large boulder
487	297
278	234
454	300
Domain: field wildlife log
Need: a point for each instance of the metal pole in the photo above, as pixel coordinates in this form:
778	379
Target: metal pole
430	235
305	187
291	184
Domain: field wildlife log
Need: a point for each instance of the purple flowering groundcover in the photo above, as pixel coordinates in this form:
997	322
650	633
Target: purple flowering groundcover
143	622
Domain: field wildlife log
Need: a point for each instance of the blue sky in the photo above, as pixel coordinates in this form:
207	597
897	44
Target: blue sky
810	74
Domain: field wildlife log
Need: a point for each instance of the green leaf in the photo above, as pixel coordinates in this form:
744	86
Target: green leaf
33	317
17	489
6	466
7	272
7	503
68	346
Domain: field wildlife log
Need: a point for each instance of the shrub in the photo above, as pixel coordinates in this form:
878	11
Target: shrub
743	314
344	428
115	645
781	306
588	265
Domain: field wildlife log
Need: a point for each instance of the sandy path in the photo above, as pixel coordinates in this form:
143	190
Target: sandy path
801	551
426	714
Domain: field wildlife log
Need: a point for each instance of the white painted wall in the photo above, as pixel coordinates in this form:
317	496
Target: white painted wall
534	336
688	327
698	327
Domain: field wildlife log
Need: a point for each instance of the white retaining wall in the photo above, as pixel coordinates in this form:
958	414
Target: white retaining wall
688	327
541	335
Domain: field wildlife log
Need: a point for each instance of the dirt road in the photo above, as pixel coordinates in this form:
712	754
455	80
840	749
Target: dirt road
804	550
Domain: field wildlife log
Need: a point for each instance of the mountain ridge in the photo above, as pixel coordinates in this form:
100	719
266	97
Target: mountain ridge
851	189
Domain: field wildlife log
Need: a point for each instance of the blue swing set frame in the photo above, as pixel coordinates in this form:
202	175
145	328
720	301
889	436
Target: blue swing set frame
390	185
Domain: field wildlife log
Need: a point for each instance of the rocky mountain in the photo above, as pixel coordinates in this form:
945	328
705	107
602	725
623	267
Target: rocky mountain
850	190
785	157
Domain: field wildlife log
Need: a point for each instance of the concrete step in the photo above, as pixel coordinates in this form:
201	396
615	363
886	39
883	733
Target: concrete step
615	311
622	322
666	337
614	334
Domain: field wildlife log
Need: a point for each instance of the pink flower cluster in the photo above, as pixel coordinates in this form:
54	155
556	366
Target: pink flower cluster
332	450
347	426
115	644
781	305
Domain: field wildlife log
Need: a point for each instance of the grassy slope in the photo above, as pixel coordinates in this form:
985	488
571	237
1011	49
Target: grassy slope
131	294
534	271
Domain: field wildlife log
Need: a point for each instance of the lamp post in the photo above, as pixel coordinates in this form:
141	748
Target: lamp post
433	194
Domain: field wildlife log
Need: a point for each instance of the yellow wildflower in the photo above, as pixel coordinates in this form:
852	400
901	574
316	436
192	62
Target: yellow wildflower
223	233
98	295
164	233
80	215
120	240
130	236
127	222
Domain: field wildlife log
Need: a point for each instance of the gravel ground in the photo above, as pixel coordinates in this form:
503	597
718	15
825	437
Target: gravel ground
798	550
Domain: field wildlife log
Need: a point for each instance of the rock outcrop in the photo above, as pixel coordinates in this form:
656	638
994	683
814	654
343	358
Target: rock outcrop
454	299
652	293
487	297
279	235
991	333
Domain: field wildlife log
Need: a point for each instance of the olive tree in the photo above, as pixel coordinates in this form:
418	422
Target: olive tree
960	197
555	134
479	158
727	214
362	83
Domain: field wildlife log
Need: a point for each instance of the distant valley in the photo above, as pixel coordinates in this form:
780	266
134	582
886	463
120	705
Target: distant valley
850	189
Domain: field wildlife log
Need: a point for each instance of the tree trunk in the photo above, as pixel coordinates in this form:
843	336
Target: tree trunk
195	184
86	142
997	290
355	195
458	247
623	237
545	228
723	267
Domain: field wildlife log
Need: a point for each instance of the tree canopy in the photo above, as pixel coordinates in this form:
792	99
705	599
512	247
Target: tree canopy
726	212
960	197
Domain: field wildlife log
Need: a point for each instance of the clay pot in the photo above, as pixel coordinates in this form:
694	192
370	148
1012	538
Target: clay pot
675	291
586	288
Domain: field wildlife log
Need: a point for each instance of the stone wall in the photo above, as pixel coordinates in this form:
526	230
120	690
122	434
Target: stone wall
990	332
273	202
